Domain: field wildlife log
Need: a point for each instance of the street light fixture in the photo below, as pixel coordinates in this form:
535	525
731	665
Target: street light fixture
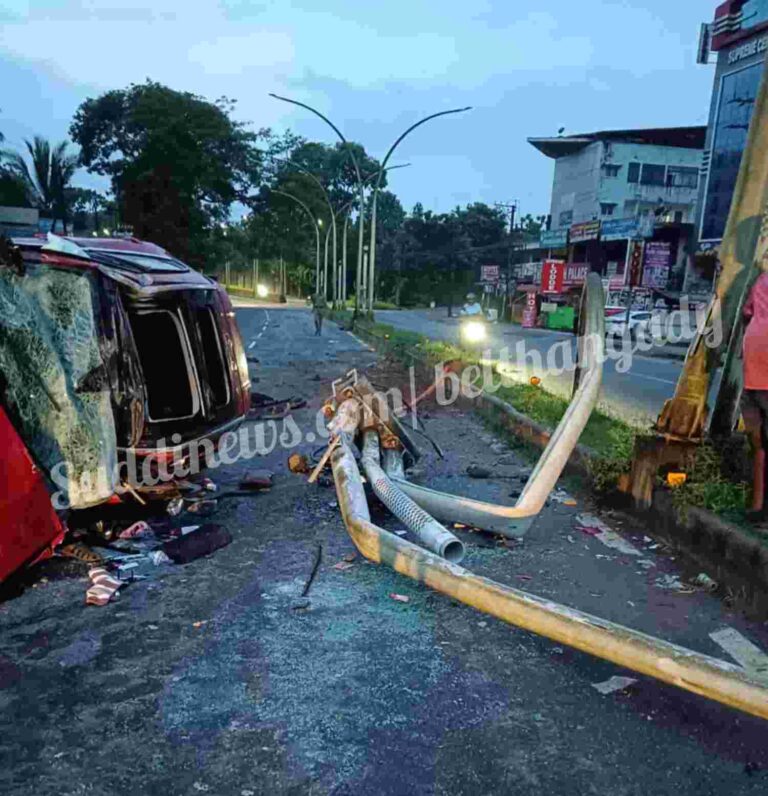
358	175
376	188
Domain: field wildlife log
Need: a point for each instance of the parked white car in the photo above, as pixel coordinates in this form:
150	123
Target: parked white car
639	324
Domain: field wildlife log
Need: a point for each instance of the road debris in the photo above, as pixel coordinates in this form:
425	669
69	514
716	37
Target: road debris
400	598
561	496
593	526
257	480
478	471
200	542
298	463
673	583
324	459
103	587
748	655
313	572
614	684
343	566
703	580
139	530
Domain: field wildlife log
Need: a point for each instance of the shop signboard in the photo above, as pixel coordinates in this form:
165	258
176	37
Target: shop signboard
587	230
635	262
552	276
626	228
575	274
490	273
619	229
656	264
529	313
554	238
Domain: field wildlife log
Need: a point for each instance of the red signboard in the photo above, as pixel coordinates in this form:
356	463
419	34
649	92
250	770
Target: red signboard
552	276
489	273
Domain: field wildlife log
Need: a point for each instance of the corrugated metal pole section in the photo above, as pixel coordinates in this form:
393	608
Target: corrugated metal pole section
431	534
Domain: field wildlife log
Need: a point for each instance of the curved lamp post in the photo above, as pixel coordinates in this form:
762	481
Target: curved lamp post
377	187
314	226
343	276
357	173
332	213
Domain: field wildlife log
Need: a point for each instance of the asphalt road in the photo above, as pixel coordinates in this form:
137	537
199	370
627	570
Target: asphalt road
636	394
206	679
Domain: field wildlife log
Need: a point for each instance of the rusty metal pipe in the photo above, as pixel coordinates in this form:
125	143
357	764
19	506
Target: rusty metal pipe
429	531
670	663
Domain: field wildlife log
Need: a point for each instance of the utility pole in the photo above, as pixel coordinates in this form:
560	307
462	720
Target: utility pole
512	208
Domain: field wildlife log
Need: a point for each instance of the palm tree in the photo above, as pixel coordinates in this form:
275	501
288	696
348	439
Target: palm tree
48	178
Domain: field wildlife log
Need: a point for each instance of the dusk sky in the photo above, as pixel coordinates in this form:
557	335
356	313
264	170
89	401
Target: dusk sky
527	67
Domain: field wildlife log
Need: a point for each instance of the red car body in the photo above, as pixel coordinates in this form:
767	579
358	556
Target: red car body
171	361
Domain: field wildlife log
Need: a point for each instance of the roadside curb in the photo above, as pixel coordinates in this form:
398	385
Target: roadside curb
729	554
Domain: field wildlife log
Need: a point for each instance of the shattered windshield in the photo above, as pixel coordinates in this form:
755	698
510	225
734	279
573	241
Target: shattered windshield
50	364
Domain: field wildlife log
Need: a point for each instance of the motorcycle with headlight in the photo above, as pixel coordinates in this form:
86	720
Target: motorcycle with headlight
473	331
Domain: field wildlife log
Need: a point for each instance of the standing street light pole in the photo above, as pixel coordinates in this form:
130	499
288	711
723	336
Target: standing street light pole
345	209
332	214
377	187
358	175
315	226
325	264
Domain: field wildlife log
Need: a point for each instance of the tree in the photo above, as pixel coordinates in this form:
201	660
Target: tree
46	177
88	207
177	162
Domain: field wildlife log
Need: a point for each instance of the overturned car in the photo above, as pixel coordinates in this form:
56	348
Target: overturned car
116	361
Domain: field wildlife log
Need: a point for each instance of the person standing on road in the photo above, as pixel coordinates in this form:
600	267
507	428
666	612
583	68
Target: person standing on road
318	306
754	401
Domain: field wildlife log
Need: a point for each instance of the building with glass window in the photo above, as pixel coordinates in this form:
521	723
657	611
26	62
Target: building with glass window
739	37
613	191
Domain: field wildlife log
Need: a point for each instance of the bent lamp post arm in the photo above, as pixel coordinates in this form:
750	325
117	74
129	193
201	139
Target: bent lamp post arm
355	164
377	187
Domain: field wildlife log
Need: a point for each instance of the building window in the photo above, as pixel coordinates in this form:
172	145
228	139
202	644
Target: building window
682	177
653	174
737	97
566	218
611	170
633	172
607	208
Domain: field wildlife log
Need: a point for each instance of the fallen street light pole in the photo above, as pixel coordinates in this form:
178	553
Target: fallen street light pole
670	663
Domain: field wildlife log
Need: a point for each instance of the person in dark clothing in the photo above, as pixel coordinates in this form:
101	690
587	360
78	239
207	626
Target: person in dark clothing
318	306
